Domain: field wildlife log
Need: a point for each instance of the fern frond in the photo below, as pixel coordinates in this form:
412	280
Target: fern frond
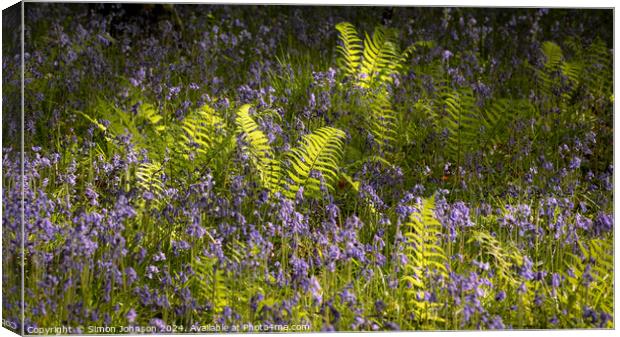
200	130
598	72
425	257
406	54
461	118
382	118
149	114
375	61
319	152
351	49
149	178
596	261
381	56
260	152
553	55
505	256
210	283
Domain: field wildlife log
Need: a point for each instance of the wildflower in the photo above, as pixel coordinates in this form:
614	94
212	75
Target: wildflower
554	320
500	296
315	289
590	315
131	315
526	269
158	323
347	297
150	270
522	288
496	323
131	275
159	257
603	223
583	222
575	162
555	280
604	318
459	215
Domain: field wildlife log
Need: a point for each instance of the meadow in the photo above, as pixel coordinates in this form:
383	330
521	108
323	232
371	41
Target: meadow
190	167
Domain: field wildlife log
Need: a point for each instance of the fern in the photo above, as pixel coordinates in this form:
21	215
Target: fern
587	74
553	55
598	70
372	65
149	178
589	275
458	113
382	119
148	113
350	50
260	152
374	62
495	120
200	131
425	257
381	57
319	152
505	256
210	284
470	127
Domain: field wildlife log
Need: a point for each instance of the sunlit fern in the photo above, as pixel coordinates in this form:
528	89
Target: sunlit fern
503	256
351	49
373	62
146	127
381	120
424	257
149	114
582	72
257	146
200	131
597	256
381	57
319	152
495	120
458	113
148	176
471	127
210	284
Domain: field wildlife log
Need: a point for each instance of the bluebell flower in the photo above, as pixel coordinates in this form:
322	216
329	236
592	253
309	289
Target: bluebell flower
575	163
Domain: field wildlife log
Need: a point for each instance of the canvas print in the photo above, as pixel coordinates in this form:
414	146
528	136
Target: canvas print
196	168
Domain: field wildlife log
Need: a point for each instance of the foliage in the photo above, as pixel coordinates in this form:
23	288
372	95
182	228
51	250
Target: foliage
277	166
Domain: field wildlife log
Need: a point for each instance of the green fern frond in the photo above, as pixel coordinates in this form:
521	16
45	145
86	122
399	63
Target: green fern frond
261	154
200	130
382	119
460	116
375	61
149	178
505	257
319	152
381	57
424	257
406	54
553	55
210	283
148	113
598	72
588	278
351	49
573	71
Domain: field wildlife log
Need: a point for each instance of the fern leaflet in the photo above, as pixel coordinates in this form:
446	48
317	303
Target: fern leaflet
320	152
